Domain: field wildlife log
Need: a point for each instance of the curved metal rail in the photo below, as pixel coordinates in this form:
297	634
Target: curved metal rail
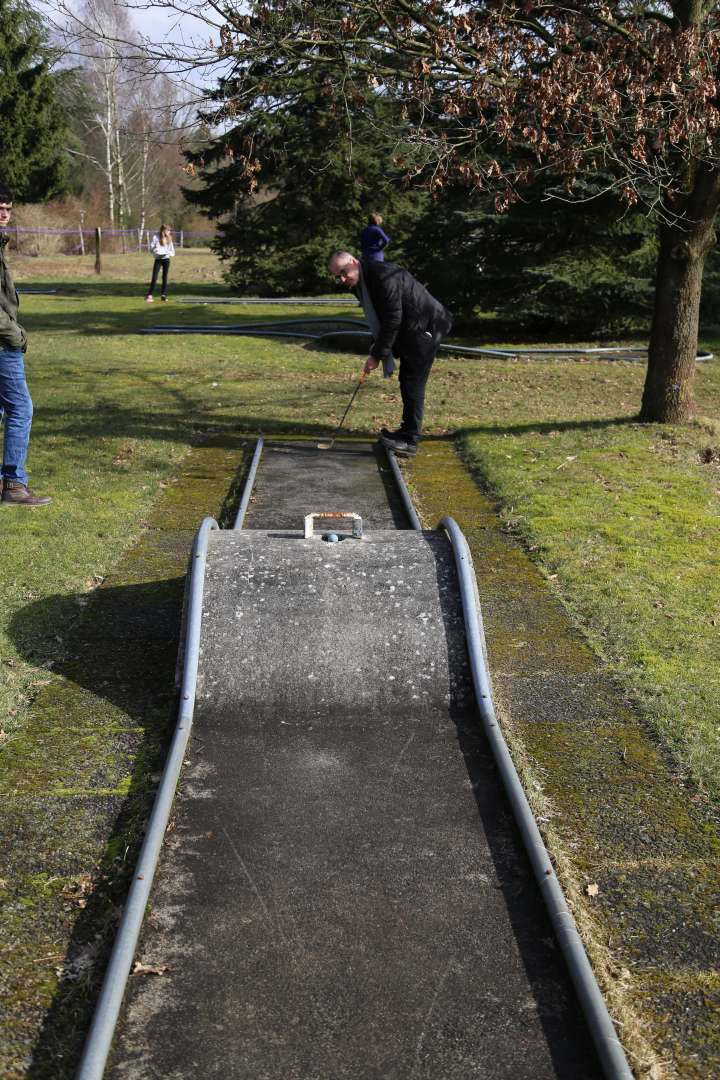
97	1045
605	352
611	1054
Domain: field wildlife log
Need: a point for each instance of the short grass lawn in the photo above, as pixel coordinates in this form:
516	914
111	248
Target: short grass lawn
623	517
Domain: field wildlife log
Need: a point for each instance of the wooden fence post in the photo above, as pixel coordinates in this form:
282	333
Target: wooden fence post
98	246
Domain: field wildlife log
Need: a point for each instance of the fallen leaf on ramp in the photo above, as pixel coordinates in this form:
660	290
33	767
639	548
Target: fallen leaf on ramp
149	969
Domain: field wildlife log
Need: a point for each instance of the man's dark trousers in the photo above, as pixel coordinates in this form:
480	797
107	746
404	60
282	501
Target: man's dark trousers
413	377
415	364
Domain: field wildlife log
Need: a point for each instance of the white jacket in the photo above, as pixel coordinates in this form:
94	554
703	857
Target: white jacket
161	251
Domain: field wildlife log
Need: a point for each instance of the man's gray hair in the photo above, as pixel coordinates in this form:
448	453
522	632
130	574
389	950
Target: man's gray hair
340	256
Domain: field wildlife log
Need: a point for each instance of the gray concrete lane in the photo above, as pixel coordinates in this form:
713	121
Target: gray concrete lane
343	895
296	478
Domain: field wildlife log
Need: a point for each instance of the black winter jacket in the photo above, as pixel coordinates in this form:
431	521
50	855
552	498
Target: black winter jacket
406	310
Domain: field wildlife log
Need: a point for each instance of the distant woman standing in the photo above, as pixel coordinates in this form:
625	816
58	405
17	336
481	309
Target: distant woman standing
163	249
373	240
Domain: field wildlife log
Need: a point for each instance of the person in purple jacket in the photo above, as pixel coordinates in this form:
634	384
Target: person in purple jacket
373	240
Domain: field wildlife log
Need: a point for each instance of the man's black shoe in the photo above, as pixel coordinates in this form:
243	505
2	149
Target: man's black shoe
401	447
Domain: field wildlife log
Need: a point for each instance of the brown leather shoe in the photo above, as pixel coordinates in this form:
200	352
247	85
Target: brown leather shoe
21	495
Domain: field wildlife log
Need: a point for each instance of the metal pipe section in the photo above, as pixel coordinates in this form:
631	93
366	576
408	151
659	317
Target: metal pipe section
612	1057
233	331
408	504
515	354
249	482
102	1029
304	301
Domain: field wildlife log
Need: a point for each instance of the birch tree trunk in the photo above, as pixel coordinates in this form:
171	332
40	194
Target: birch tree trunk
108	133
143	181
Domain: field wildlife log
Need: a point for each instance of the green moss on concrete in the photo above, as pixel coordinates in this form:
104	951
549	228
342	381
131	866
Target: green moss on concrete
614	810
80	771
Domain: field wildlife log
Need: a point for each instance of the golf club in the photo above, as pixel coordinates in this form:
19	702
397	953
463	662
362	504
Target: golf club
328	445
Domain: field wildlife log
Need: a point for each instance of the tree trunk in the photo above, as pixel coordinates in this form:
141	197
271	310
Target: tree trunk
143	181
108	133
668	393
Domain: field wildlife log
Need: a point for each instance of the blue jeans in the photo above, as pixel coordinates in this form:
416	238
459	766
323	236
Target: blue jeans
16	404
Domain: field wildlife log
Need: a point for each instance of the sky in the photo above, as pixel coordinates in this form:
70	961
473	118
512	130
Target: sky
159	24
185	44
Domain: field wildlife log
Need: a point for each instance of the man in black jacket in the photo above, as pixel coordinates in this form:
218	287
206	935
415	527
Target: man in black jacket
405	322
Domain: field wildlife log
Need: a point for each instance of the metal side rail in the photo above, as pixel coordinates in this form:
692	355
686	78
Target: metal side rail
102	1028
610	1052
405	495
249	484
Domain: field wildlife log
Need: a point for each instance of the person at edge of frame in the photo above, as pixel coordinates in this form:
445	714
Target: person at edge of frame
373	240
405	322
163	249
16	407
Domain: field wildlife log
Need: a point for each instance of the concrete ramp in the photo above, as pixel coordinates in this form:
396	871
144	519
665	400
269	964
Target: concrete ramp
343	894
362	632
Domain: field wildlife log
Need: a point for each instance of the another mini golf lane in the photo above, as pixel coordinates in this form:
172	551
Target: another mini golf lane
343	894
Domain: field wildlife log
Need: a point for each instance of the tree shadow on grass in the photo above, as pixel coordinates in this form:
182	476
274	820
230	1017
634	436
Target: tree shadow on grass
107	726
180	426
545	427
99	323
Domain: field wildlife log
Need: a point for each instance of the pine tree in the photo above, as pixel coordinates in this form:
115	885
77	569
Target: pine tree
277	227
545	265
33	162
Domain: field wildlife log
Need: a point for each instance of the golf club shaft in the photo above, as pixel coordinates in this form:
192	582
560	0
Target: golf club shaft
349	404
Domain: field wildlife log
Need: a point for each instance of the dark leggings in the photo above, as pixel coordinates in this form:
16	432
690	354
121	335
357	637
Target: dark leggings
165	264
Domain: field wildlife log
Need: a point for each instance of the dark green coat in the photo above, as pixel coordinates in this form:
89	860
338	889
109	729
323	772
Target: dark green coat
12	335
